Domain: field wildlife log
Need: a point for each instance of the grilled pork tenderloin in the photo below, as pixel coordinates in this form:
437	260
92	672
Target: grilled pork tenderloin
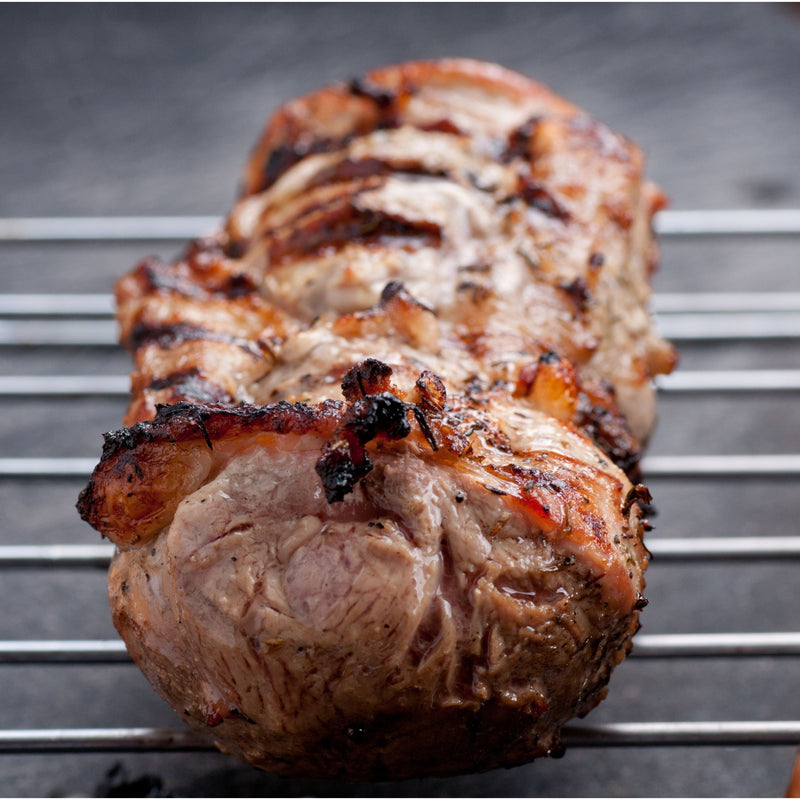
376	509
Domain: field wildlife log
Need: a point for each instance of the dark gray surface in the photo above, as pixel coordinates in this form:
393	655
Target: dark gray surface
150	110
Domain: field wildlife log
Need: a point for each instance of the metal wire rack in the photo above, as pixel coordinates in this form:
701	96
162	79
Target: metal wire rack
59	321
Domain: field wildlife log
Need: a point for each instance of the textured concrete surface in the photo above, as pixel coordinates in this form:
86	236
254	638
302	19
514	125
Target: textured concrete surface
151	109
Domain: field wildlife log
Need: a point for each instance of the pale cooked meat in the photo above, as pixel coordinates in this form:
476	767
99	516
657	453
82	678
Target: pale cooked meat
384	527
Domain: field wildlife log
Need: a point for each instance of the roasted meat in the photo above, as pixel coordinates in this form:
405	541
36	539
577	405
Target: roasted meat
377	508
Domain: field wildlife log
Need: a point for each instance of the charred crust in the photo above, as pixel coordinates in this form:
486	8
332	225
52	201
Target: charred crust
432	391
344	461
601	420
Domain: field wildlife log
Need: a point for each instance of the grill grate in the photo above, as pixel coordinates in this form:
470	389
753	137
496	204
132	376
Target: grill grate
59	321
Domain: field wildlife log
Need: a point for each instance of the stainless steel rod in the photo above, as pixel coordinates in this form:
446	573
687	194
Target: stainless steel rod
688	222
46	467
730	380
689	466
56	555
696	645
639	734
56	305
619	734
53	651
679	645
758	326
697	327
64	385
727	466
104	229
721	302
723	548
682	382
100	739
728	222
663	303
665	551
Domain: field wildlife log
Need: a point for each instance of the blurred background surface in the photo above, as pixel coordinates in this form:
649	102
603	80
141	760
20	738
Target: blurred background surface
150	110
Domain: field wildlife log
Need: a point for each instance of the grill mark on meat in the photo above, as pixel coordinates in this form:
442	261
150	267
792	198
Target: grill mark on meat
283	157
167	336
191	384
358	169
346	223
538	197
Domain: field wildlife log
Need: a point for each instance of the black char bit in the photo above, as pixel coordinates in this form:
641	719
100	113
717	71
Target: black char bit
360	87
596	260
369	376
578	292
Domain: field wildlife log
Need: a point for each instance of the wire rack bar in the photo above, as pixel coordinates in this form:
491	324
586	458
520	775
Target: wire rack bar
728	222
729	380
664	551
56	555
720	302
686	382
100	739
620	734
641	734
678	328
726	466
723	548
105	229
701	466
685	645
47	467
664	303
756	326
688	222
64	385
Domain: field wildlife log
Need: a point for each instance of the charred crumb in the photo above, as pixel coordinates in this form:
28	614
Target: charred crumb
425	427
482	268
549	357
520	139
361	87
340	467
578	292
596	260
639	494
